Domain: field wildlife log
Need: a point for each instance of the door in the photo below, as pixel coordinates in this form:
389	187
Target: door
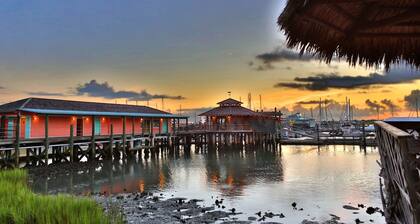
146	126
27	123
10	127
97	126
79	127
165	126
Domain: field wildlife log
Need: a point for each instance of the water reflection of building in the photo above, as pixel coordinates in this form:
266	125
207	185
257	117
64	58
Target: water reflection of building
231	171
134	176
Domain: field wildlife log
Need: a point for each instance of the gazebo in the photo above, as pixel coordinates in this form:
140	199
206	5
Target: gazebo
230	115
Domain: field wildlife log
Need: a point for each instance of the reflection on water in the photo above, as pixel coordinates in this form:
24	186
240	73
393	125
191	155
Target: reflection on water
320	180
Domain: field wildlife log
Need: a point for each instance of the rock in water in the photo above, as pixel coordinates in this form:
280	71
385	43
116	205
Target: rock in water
349	207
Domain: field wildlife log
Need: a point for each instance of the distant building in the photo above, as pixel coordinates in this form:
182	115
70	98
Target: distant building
230	115
297	120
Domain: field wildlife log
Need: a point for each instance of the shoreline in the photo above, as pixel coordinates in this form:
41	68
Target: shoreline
154	208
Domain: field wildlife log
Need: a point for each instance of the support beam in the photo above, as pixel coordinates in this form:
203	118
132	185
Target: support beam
17	140
124	140
71	143
46	140
92	142
111	142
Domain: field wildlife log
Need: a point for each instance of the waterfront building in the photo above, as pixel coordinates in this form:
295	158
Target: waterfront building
230	115
35	117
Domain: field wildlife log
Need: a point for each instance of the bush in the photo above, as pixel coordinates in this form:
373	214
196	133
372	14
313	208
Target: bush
18	204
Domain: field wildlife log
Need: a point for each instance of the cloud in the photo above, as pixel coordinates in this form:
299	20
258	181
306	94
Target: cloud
321	81
96	89
41	93
314	102
413	99
266	60
1	87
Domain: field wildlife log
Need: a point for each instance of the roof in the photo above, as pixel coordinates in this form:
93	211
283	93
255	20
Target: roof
403	119
230	111
369	32
68	107
230	102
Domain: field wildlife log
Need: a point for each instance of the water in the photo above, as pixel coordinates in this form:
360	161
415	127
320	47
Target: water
320	180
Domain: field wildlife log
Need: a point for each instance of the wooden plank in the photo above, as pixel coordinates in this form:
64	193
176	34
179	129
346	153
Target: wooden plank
394	131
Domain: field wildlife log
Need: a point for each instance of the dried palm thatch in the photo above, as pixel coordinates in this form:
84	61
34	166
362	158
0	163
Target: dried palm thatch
369	32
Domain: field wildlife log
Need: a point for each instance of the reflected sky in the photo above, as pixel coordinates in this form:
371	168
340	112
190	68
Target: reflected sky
320	180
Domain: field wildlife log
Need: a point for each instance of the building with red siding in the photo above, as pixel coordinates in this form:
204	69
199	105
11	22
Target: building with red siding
31	116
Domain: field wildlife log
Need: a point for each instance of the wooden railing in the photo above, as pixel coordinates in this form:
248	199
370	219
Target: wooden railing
400	167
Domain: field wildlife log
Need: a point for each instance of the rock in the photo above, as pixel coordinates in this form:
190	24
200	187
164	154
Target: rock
349	207
252	218
294	205
358	221
370	210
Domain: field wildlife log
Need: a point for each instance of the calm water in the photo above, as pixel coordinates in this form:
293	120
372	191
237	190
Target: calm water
320	181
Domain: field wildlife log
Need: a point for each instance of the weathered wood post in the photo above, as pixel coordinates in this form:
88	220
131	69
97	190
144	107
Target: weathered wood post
71	144
124	140
17	140
92	142
363	135
317	134
111	142
46	141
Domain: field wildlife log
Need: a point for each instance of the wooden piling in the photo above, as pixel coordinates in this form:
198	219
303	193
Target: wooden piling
111	142
46	141
17	140
124	140
71	144
92	143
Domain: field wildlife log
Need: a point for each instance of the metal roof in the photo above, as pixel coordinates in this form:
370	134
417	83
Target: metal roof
67	107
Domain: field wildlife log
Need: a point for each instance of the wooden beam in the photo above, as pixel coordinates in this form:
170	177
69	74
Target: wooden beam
124	140
46	140
17	140
92	142
71	143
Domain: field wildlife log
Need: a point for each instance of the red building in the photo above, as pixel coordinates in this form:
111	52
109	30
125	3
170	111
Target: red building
230	115
87	118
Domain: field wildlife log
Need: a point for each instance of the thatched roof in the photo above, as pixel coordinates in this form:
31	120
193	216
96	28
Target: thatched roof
367	32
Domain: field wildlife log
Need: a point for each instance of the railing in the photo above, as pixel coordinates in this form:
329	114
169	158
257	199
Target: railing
206	127
400	169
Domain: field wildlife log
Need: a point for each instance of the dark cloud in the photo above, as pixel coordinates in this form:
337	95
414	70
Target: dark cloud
95	89
314	102
41	93
413	99
266	60
320	82
1	87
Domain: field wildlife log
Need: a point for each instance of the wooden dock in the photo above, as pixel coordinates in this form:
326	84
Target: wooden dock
44	151
400	171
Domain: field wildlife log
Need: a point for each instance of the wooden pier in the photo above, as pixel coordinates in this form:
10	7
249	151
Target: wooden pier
400	170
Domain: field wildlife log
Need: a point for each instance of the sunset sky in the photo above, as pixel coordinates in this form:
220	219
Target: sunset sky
189	52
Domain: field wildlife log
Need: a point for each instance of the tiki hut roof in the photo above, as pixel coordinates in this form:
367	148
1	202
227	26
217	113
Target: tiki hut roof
230	102
369	32
229	107
224	111
67	107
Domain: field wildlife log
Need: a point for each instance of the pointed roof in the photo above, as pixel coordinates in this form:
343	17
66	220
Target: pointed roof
69	107
230	102
229	107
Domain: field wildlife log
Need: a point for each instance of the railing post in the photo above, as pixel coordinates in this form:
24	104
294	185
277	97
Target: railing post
17	142
71	144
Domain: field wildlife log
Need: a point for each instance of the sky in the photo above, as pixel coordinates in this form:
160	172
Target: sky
190	53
